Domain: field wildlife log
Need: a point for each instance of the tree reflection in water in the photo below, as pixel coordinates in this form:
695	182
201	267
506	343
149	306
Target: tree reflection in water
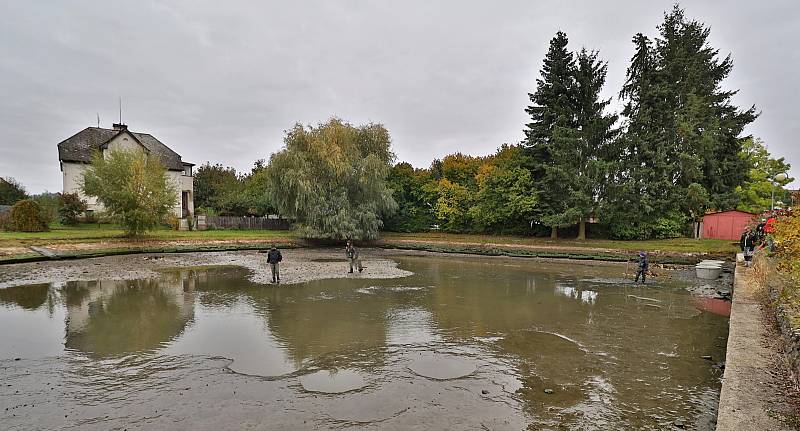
111	317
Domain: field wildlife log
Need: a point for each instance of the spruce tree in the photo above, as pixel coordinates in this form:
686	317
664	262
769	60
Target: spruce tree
568	135
707	124
553	116
683	133
595	131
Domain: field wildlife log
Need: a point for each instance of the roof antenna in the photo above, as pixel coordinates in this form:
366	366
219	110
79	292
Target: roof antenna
98	120
120	109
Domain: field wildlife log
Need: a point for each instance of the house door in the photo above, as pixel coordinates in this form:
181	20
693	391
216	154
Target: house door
185	204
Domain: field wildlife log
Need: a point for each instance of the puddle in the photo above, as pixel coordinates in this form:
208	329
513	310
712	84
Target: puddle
333	381
441	367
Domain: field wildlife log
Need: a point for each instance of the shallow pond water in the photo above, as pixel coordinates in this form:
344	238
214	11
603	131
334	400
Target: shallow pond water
464	343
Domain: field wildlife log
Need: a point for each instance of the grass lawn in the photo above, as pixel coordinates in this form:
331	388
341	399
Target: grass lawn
96	233
88	237
677	245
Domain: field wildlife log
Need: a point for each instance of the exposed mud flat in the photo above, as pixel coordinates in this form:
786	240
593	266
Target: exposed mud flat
298	266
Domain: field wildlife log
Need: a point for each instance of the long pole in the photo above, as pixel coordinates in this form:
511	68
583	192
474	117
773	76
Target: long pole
772	206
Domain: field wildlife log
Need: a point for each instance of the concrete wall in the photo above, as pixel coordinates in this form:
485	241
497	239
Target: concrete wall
73	172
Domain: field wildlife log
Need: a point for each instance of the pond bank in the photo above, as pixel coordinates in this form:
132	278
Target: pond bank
754	382
67	250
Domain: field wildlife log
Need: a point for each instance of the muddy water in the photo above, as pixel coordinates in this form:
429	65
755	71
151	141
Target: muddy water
464	343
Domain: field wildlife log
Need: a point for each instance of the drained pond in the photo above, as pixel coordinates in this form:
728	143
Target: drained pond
462	343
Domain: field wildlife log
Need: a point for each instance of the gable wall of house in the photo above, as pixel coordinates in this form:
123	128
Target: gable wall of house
123	141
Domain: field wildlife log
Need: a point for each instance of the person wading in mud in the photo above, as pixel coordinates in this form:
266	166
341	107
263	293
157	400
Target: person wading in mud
642	268
353	258
274	259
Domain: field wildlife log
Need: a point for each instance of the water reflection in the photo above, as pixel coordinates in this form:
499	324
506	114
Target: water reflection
586	296
109	317
28	297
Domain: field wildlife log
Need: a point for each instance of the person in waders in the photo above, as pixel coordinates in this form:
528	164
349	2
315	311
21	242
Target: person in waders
274	259
748	245
642	268
353	258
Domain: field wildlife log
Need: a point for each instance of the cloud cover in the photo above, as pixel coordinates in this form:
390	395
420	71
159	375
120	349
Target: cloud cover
221	82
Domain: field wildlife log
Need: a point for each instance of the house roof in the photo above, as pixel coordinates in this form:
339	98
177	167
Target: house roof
80	146
728	212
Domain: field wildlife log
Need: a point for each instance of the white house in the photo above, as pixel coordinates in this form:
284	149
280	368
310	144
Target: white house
75	153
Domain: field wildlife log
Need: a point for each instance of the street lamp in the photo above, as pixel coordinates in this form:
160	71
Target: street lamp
779	178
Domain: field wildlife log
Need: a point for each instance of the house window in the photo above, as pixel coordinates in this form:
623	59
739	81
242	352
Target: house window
187	171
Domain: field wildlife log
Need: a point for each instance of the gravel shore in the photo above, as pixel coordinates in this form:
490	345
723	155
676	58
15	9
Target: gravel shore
298	266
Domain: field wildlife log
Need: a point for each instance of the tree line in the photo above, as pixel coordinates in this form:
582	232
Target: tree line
676	150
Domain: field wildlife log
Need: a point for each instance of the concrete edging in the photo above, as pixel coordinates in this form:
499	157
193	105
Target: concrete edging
742	402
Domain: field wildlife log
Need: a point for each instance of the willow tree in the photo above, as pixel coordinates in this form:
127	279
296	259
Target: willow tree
332	179
133	186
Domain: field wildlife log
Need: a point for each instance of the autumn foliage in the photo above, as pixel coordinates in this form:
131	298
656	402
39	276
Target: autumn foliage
787	241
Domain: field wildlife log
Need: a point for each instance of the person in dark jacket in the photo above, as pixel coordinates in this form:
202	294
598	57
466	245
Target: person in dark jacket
643	265
274	259
353	257
748	246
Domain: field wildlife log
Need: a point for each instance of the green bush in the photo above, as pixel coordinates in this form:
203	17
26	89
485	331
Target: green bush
26	216
70	208
48	205
667	226
5	220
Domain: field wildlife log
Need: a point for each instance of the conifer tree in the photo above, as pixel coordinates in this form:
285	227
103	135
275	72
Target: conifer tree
679	154
568	135
595	131
552	112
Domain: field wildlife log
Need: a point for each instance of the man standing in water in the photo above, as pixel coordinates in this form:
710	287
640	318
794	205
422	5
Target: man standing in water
353	258
642	269
274	259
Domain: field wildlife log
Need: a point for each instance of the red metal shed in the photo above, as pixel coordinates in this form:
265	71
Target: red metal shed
726	224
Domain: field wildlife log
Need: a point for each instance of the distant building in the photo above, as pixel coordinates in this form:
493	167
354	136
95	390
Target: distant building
725	224
75	153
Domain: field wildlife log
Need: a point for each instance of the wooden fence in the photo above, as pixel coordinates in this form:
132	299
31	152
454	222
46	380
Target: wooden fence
247	223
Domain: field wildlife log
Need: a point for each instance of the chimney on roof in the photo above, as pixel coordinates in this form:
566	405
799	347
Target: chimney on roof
120	126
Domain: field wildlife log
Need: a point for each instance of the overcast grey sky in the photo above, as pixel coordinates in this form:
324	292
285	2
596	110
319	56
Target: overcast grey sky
221	81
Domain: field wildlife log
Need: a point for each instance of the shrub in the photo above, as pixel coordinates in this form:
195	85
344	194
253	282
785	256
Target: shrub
174	222
26	216
671	226
787	240
5	220
48	204
70	208
668	226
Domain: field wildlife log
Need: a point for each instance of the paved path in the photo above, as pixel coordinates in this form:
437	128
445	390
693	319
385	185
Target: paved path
44	251
749	390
